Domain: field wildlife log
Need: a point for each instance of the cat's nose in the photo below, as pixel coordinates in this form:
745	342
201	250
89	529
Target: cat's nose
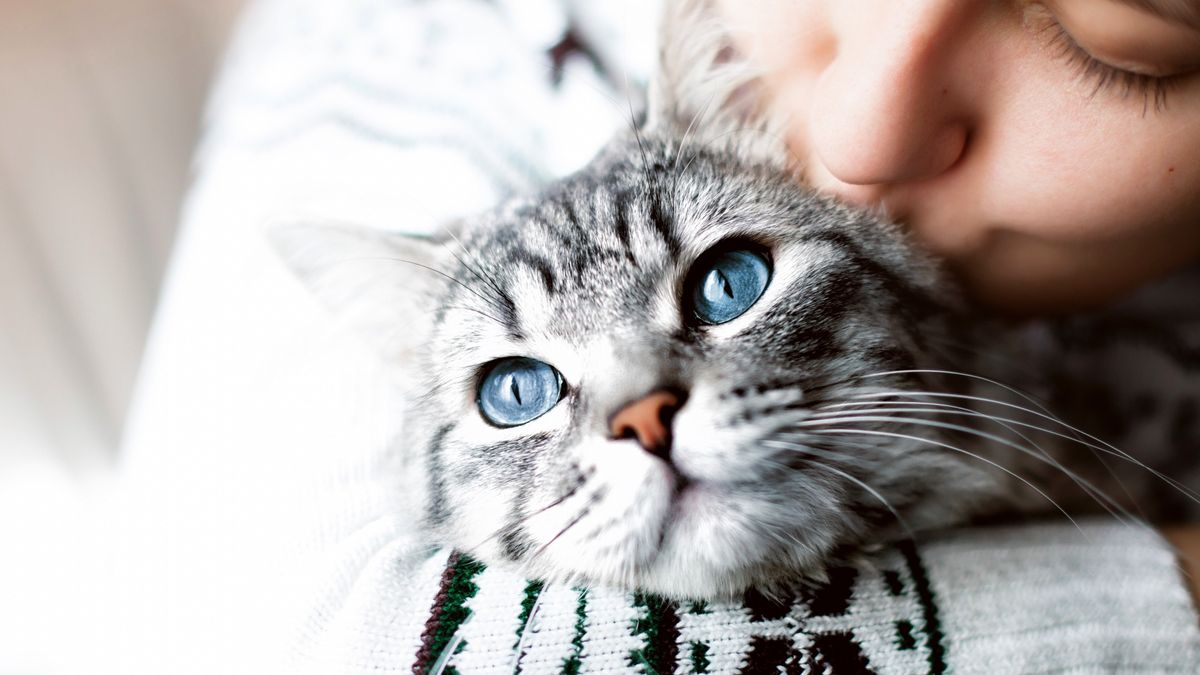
648	419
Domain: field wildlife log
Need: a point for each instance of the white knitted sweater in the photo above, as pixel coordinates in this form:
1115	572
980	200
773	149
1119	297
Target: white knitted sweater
1018	600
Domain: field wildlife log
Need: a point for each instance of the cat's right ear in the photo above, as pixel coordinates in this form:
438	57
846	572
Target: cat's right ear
383	284
705	89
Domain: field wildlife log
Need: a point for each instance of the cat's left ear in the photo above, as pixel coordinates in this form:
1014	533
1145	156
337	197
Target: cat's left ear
383	284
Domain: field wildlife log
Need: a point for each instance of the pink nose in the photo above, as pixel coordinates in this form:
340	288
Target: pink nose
648	419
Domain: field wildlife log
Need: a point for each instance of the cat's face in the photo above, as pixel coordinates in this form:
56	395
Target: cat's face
627	379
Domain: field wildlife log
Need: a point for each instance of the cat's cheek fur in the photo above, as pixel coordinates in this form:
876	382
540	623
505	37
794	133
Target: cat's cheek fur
611	523
715	438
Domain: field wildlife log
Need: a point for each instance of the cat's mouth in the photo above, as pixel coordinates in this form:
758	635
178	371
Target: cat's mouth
685	503
694	504
681	484
694	501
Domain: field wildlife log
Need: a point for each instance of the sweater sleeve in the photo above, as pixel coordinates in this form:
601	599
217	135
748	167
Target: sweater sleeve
1096	598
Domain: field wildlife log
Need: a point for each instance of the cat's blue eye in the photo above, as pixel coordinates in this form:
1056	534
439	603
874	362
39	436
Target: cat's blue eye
518	390
729	284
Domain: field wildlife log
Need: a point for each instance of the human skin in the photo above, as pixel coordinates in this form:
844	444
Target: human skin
1186	541
1048	151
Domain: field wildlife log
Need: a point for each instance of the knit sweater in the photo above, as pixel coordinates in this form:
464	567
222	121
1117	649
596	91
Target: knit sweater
1012	600
1099	598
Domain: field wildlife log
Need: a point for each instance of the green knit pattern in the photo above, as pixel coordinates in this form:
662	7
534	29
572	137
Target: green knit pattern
491	614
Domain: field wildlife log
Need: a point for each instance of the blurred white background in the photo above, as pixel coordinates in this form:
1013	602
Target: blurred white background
100	107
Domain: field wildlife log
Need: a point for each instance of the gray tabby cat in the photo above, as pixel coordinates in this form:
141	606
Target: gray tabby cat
678	371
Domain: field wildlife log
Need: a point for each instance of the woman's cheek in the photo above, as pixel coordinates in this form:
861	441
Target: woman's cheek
1082	186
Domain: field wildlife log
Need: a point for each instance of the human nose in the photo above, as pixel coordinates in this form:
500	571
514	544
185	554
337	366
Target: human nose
887	109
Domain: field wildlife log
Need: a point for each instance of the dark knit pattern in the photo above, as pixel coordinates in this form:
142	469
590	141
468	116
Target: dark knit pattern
816	630
449	610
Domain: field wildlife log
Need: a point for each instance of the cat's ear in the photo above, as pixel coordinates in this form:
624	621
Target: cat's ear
383	284
705	88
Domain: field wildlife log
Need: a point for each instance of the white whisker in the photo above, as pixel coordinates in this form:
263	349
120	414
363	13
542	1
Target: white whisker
890	434
525	519
796	447
533	612
572	523
1094	443
1078	432
869	414
443	659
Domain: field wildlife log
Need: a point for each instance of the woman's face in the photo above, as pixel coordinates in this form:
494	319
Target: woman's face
1050	150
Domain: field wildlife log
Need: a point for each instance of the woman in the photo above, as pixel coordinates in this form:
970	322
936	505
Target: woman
1048	150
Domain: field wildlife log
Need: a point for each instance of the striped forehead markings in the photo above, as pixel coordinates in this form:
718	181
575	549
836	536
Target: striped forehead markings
662	221
539	264
620	221
487	286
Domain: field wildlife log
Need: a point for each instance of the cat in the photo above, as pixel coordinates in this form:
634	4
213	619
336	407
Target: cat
679	371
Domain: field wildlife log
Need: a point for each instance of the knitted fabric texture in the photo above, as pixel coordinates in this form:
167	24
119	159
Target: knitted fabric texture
882	615
892	624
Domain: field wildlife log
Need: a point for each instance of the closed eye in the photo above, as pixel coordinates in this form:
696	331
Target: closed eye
1152	89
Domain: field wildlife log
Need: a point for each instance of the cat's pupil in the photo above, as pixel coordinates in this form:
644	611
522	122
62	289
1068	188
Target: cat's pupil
726	289
518	390
733	283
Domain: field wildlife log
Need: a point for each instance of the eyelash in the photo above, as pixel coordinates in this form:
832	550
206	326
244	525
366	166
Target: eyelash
1104	76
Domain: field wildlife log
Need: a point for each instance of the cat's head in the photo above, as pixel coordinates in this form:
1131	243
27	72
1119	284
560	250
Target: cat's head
634	377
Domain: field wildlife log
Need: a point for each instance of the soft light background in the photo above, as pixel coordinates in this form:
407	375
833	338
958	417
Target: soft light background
100	107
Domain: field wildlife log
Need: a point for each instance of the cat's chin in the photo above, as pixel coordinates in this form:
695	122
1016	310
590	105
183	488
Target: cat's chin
710	544
685	573
712	557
